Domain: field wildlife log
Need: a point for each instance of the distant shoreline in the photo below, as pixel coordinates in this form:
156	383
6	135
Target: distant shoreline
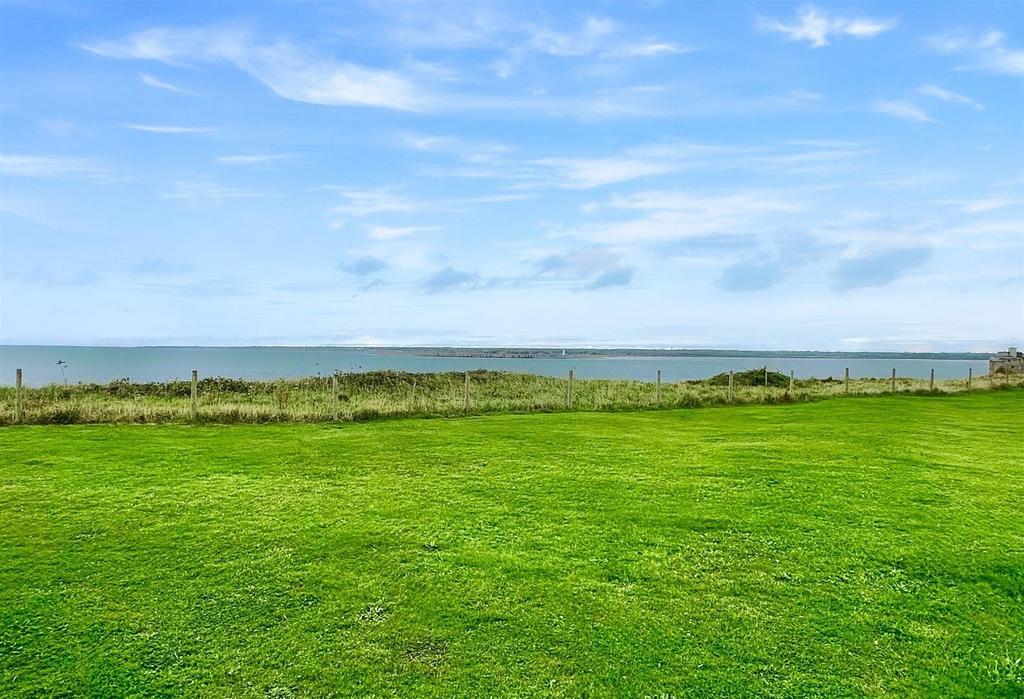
626	353
556	352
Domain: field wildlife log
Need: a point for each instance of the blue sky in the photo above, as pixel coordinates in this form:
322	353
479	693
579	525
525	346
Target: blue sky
760	175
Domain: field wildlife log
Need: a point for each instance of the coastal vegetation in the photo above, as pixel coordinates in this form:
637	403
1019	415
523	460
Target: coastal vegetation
389	394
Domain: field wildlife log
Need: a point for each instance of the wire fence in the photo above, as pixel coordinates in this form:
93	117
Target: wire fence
343	397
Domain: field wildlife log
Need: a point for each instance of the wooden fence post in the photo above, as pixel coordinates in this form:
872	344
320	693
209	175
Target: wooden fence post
730	387
970	372
17	396
334	396
931	381
195	394
568	391
893	385
465	394
766	376
846	379
657	390
791	376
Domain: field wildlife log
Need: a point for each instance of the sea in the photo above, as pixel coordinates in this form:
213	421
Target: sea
43	365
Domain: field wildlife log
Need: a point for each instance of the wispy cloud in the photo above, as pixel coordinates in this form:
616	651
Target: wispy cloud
878	268
948	96
366	202
648	48
584	41
818	28
618	276
978	206
588	269
909	110
364	266
455	26
903	109
148	79
448	279
169	128
672	215
47	166
200	190
291	72
765	264
466	150
987	51
587	173
641	161
394	232
249	159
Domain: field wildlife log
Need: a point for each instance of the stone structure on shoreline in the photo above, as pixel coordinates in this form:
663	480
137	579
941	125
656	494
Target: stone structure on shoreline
1008	362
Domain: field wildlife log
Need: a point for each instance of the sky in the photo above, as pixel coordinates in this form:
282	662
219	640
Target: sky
832	176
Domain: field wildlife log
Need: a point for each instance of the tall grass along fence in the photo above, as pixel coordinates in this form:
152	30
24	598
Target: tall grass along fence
380	394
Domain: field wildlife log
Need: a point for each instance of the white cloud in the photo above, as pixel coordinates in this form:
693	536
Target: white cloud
290	72
300	73
452	26
250	159
792	99
296	76
648	48
469	151
671	215
366	202
393	232
988	51
902	109
988	204
578	172
587	40
804	95
947	96
475	26
168	128
160	84
587	173
46	166
199	190
817	28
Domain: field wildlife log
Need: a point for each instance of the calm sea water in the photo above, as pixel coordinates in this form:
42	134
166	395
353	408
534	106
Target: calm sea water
102	364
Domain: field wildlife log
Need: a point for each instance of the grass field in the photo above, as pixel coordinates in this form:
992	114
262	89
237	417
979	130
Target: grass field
836	548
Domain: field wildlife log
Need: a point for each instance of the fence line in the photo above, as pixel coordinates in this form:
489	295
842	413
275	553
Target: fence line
37	405
334	396
17	396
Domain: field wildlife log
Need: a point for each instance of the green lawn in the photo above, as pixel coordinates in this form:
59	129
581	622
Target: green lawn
847	547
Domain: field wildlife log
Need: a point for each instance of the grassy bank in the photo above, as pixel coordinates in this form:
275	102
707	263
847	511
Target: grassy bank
364	396
837	548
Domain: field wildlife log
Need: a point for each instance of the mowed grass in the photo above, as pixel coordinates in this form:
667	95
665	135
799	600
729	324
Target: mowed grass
839	548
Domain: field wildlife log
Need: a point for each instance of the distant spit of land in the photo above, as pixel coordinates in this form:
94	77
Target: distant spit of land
553	352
